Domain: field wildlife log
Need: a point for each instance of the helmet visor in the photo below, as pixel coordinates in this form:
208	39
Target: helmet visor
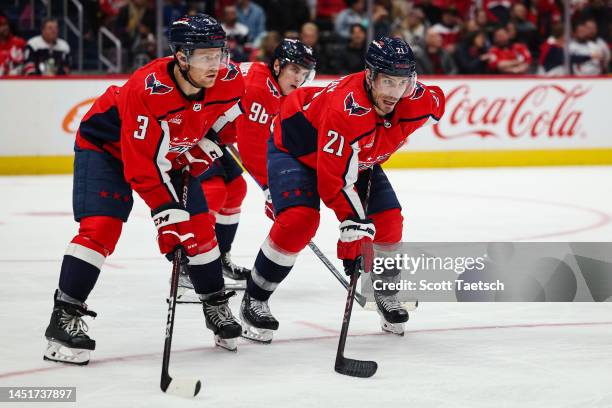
208	58
395	86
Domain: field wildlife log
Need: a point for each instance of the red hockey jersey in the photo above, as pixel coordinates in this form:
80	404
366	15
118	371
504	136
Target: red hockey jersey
261	102
336	131
148	121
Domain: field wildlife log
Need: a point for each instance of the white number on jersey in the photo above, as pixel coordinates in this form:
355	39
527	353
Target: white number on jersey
329	146
258	114
141	133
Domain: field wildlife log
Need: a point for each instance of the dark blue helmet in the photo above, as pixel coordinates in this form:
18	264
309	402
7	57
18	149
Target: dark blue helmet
295	51
192	32
390	56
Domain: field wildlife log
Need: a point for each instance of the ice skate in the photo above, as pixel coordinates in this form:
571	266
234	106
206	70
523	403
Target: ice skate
258	324
66	333
220	320
392	314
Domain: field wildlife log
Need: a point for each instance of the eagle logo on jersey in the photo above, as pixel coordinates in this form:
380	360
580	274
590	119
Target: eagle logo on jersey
273	89
232	73
353	108
419	90
155	87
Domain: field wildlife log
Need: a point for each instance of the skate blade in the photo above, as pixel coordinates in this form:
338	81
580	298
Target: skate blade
394	328
61	354
227	344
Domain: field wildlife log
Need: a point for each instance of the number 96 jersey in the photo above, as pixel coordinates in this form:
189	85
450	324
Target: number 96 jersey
261	103
148	121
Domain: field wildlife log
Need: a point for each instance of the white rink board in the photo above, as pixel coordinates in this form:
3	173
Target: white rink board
40	117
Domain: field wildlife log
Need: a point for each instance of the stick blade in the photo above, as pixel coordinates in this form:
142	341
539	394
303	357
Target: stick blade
183	387
356	368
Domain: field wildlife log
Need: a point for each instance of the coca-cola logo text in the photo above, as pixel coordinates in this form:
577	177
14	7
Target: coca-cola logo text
547	110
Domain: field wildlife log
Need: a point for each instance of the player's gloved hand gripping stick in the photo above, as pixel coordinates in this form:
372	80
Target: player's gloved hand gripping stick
344	365
184	387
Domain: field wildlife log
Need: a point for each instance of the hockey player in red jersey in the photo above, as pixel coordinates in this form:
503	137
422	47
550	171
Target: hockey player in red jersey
266	86
139	137
323	140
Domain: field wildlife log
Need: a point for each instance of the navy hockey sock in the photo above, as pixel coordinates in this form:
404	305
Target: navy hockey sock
225	236
206	278
77	277
265	277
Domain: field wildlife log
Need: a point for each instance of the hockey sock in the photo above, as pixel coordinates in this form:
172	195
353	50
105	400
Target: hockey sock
205	272
272	265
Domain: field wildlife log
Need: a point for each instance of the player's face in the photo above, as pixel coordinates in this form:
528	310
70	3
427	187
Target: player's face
204	66
387	91
291	77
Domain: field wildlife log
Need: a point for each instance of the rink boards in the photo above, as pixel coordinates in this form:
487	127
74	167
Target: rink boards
489	121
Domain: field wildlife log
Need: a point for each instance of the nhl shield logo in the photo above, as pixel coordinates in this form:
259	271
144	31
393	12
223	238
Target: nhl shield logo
353	108
155	87
197	107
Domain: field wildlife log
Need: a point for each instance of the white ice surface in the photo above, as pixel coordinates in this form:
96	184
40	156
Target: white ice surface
453	355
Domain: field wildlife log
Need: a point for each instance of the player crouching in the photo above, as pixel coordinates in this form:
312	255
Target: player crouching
326	142
139	137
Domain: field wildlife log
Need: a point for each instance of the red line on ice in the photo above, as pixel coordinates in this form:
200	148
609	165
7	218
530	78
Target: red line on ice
129	357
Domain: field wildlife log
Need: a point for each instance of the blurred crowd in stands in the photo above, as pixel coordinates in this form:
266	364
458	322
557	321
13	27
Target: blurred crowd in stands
448	37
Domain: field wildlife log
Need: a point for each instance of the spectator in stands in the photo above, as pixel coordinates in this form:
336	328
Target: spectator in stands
353	14
498	11
433	59
286	15
552	53
269	42
173	10
135	26
602	46
237	34
47	54
381	19
352	57
309	35
448	28
586	56
11	50
472	54
484	23
526	31
507	58
326	12
252	15
413	28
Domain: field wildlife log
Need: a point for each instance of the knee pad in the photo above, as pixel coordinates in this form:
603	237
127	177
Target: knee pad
215	192
294	228
99	233
236	191
389	225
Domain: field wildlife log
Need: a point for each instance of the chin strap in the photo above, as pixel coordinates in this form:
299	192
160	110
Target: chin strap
368	88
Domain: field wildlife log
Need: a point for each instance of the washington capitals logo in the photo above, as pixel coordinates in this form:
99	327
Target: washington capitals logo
353	108
418	91
155	87
232	73
273	89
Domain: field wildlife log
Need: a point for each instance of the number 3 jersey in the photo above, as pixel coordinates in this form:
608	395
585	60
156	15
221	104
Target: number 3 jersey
261	103
336	131
148	121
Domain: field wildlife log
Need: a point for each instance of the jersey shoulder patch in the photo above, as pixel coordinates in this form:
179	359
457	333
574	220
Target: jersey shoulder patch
155	86
232	72
272	88
353	108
